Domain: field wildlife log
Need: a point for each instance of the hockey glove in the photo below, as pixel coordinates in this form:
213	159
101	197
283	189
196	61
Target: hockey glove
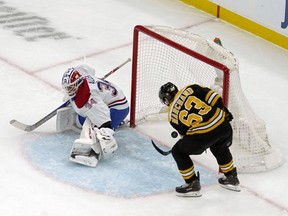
106	140
229	115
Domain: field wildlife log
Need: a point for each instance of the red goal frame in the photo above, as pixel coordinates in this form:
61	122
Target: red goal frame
142	29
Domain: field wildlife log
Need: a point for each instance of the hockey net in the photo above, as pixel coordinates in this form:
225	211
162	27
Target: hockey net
163	54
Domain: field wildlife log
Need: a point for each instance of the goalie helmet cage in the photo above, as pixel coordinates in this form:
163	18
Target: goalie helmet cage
163	54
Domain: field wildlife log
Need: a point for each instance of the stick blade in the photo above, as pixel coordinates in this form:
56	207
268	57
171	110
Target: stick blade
165	153
21	126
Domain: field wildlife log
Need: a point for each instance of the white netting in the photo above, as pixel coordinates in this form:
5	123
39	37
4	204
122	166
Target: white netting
158	62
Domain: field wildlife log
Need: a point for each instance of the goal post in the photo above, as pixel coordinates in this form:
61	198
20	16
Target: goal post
163	54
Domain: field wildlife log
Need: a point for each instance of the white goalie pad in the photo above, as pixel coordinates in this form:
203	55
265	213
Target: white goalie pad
107	141
86	152
67	120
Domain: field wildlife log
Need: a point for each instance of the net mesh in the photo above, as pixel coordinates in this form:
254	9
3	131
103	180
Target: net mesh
159	61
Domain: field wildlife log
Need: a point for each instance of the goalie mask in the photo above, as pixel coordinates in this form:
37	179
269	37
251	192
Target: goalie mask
167	93
71	81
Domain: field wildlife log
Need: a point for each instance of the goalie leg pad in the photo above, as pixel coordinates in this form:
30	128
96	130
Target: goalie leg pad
86	152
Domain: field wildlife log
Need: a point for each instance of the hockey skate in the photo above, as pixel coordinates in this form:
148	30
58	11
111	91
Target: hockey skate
190	189
230	182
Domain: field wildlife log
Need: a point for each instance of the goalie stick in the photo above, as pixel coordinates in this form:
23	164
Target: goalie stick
165	153
115	69
32	127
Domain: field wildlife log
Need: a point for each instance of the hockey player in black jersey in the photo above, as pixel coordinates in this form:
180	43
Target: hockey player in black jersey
200	117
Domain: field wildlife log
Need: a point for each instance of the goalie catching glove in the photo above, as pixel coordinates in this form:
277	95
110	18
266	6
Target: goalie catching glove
107	141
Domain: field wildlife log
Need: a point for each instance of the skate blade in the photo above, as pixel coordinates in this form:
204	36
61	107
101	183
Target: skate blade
189	194
231	187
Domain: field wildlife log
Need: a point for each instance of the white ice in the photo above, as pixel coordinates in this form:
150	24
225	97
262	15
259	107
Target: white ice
30	74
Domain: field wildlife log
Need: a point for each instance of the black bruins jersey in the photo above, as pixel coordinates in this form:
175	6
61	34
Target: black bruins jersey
196	110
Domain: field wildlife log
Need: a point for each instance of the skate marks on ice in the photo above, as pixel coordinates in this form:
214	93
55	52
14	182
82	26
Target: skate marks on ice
136	169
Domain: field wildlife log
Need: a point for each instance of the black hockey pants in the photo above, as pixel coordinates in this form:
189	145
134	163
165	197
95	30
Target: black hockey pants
218	140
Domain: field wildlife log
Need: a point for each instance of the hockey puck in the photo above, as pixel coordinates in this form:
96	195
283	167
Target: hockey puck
174	134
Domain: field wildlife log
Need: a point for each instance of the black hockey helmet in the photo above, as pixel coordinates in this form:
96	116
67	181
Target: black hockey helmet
167	91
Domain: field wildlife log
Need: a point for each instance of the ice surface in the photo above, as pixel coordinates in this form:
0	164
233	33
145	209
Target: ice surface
36	177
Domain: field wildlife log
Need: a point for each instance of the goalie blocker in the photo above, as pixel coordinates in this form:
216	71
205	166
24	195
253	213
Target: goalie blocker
92	144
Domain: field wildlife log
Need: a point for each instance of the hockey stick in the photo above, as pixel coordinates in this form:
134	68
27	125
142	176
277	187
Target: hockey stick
32	127
115	69
165	153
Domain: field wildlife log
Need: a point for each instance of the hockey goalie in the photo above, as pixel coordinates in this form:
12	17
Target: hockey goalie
97	107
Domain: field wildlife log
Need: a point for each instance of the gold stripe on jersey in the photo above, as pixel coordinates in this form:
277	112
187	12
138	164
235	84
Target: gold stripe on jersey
205	127
212	97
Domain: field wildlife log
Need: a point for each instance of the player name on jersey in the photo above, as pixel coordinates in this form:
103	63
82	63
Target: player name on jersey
177	106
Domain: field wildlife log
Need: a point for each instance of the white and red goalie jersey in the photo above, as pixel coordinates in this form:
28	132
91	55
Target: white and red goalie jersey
101	107
99	100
